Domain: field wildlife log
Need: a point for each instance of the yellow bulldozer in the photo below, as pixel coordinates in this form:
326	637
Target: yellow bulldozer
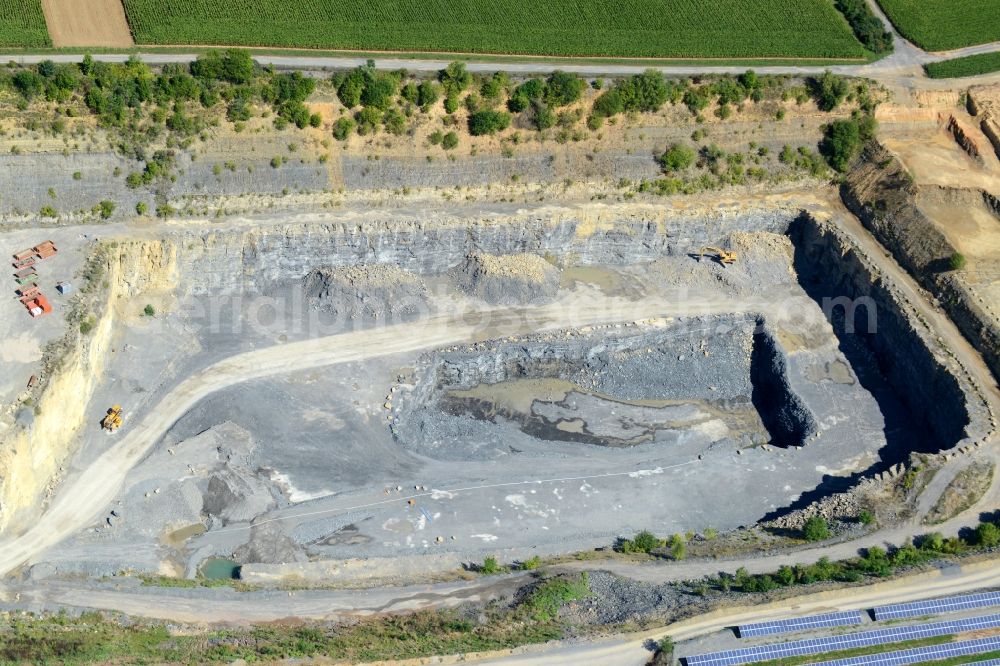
113	419
724	257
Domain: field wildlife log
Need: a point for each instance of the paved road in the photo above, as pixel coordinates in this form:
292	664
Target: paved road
906	57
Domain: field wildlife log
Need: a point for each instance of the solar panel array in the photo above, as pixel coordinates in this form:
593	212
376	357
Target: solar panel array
842	642
839	619
921	654
935	606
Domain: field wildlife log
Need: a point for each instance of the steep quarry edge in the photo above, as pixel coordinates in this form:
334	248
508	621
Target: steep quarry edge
932	384
33	454
882	194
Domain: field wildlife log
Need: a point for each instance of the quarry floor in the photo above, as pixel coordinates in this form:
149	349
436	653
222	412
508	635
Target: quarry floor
293	435
302	436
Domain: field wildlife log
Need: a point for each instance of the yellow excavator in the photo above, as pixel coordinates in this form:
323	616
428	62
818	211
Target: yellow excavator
113	419
724	257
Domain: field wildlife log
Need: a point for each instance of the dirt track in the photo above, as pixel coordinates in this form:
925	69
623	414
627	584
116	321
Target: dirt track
87	23
84	499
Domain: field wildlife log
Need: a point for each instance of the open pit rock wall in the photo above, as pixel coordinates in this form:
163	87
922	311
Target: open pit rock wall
928	380
881	193
35	449
249	260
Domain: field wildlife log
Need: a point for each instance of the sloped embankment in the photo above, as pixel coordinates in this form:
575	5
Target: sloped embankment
883	196
35	449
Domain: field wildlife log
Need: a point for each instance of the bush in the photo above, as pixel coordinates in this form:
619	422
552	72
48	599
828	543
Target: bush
562	88
455	78
449	141
987	535
545	117
677	158
141	208
48	211
644	542
678	547
106	209
829	90
343	128
427	94
395	122
488	122
816	529
149	310
841	143
866	517
956	261
531	563
490	566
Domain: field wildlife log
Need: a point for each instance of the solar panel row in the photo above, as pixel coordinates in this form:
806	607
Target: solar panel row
838	619
843	641
921	654
935	606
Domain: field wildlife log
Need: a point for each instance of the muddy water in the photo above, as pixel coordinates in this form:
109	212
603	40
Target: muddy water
557	409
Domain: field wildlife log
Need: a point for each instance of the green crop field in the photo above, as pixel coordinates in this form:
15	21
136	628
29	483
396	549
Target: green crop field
984	63
628	28
22	23
940	25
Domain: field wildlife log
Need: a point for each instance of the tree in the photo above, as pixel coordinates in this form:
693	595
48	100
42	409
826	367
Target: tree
645	541
494	87
106	208
785	576
677	158
343	128
379	90
678	547
563	88
829	90
488	121
933	542
956	261
841	143
544	118
28	83
350	88
816	529
368	119
410	92
490	566
988	535
696	99
867	27
427	94
455	77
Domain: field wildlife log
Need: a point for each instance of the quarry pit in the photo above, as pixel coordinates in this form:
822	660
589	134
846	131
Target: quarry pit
528	382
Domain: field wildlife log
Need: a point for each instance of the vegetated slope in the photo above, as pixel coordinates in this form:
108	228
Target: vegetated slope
939	25
675	28
22	23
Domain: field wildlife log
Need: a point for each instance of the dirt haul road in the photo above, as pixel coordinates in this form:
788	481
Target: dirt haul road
82	501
